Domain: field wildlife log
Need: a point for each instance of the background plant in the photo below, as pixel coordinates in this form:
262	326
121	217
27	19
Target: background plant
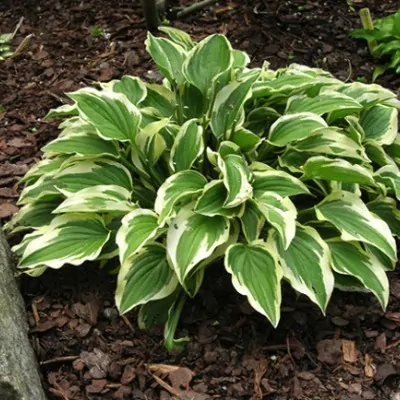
383	37
288	174
6	50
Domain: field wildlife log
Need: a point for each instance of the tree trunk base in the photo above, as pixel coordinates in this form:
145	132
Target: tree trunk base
19	373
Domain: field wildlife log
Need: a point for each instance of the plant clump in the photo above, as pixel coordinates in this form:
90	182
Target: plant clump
283	174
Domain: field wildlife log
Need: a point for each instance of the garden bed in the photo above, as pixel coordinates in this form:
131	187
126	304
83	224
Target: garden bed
85	349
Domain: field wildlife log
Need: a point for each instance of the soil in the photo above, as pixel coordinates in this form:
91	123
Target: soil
85	350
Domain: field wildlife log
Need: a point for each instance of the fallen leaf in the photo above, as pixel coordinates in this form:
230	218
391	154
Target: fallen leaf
369	367
7	210
349	351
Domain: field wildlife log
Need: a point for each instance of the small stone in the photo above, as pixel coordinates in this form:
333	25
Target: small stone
339	321
368	395
210	357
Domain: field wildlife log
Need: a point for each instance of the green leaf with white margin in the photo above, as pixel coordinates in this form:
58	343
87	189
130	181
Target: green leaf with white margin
390	177
70	239
293	160
323	103
98	199
256	274
211	202
236	177
207	60
34	215
44	187
144	277
348	213
188	146
160	100
386	209
376	153
150	140
43	167
380	124
176	188
337	170
178	36
137	228
394	150
291	127
252	221
131	86
245	139
192	238
331	141
65	110
82	145
112	114
281	213
382	259
306	264
168	56
83	174
155	313
240	59
229	102
279	182
348	258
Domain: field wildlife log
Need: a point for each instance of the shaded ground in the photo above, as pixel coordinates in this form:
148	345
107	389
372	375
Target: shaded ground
86	351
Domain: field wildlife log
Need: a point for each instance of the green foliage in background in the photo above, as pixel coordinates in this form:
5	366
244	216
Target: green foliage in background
384	42
283	175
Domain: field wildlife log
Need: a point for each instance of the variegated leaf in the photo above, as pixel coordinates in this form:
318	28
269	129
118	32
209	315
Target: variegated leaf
252	221
228	103
236	178
83	145
348	213
337	170
306	264
281	213
168	56
386	209
292	127
144	277
333	142
178	37
279	182
256	274
188	146
192	238
207	60
160	100
99	199
349	258
380	124
69	239
131	86
137	229
245	139
176	188
389	175
211	202
112	114
326	102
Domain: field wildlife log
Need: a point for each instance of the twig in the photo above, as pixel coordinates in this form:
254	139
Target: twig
391	345
59	359
127	322
194	7
289	352
167	387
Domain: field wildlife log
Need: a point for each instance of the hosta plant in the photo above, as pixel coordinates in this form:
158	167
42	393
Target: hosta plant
288	174
383	37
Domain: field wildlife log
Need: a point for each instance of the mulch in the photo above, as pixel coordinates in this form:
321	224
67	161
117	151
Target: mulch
85	350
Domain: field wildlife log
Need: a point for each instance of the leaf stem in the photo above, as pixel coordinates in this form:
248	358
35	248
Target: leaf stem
368	24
